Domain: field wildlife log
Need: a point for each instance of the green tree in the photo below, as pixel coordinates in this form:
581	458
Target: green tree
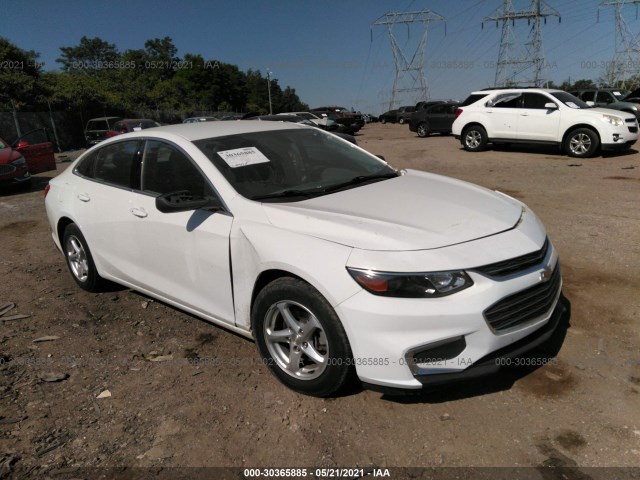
19	75
91	56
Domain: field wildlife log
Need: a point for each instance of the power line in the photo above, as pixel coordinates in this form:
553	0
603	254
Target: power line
410	79
515	59
627	49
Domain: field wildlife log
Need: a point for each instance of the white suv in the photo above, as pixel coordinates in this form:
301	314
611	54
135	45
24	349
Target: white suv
538	115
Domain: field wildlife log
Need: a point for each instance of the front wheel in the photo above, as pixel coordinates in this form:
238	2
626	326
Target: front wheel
383	121
474	138
301	338
79	260
581	143
423	130
401	120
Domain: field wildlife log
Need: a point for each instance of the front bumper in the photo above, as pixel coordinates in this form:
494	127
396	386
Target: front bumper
617	147
495	361
392	339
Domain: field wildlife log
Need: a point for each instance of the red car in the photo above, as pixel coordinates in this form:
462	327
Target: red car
20	160
131	125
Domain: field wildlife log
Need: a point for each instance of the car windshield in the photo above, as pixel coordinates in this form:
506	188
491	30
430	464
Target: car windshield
620	94
570	100
290	165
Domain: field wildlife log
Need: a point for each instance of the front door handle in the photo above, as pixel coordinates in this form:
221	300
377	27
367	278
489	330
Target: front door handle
139	212
84	197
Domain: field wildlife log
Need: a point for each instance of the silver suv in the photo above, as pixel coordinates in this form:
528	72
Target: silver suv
544	116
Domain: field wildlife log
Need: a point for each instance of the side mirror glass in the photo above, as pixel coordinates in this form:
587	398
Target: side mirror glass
183	201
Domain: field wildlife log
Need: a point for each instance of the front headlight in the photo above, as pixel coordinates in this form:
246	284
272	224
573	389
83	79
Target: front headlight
19	162
411	285
613	120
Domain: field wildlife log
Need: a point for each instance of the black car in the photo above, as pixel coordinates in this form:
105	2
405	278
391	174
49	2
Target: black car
300	120
401	115
434	118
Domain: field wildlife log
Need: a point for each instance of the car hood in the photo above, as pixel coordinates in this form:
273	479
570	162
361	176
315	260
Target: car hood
416	211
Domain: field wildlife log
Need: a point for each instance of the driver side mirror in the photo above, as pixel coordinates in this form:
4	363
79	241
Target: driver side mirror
184	201
590	103
551	106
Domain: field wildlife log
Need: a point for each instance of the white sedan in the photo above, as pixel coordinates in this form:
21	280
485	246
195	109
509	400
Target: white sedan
339	266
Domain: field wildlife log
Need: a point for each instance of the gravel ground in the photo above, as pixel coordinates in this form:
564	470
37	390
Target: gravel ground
166	409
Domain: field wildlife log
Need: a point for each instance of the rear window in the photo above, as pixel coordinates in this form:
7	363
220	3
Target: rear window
473	98
98	125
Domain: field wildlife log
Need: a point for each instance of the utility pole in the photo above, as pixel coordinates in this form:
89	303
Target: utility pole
269	90
627	54
521	63
410	79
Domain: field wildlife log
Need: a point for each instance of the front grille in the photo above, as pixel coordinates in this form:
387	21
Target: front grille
7	169
632	125
526	305
517	264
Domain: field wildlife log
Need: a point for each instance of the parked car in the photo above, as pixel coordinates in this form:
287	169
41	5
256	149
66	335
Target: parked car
324	123
390	116
29	154
608	98
369	118
97	128
129	125
292	118
200	119
405	113
286	234
543	116
353	121
435	118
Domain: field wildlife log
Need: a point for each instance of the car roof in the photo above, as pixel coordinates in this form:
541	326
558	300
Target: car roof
198	131
511	89
103	118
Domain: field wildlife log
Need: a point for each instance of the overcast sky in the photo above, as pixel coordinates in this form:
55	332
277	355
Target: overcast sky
326	49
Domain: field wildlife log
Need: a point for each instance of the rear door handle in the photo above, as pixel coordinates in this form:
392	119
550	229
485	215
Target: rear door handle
84	197
139	212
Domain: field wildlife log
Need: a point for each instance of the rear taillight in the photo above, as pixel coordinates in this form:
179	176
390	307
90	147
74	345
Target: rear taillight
458	112
46	189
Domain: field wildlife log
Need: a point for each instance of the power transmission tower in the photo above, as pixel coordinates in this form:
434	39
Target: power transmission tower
410	79
627	55
521	63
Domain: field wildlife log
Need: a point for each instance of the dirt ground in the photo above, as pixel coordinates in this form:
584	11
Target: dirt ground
185	393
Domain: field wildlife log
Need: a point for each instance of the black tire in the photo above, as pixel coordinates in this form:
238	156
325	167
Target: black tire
423	130
401	120
581	143
79	260
474	138
320	335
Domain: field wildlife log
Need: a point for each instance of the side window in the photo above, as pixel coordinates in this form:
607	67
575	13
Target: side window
166	169
438	109
85	166
507	100
588	96
536	100
116	164
604	97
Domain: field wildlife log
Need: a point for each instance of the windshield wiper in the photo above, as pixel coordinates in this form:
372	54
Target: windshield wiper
285	194
360	179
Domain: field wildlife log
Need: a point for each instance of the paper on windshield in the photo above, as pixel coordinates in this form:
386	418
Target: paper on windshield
241	157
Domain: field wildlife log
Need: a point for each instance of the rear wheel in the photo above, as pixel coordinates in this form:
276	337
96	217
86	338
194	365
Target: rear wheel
423	130
79	260
474	138
383	121
581	143
401	120
301	338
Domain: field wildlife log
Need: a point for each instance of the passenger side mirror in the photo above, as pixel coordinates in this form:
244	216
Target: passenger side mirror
551	106
183	201
590	103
